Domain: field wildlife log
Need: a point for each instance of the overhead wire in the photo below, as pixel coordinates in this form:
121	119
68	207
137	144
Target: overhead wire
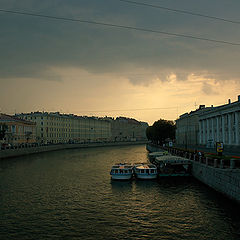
126	110
180	11
119	26
138	109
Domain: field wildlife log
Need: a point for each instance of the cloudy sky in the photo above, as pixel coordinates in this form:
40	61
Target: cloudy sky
87	69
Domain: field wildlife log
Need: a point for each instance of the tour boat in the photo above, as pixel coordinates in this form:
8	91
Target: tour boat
145	171
173	166
122	171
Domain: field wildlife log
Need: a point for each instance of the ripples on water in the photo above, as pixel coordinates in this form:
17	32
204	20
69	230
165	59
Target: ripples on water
69	195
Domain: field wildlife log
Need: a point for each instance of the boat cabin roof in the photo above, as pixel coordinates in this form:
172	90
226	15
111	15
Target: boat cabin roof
158	153
173	160
145	166
122	166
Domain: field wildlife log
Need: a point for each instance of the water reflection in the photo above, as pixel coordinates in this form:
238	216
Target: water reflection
70	195
119	187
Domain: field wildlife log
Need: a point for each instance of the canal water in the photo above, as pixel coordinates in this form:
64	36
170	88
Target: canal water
69	195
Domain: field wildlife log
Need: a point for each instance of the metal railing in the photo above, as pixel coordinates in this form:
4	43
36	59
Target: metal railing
224	162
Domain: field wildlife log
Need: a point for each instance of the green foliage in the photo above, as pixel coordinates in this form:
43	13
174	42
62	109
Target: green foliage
3	129
161	130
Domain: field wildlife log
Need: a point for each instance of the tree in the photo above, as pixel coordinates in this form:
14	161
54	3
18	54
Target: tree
150	133
3	129
161	130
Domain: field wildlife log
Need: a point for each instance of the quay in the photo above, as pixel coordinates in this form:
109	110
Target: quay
221	174
10	152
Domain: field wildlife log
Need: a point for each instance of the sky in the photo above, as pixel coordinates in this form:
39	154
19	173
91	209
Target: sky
94	70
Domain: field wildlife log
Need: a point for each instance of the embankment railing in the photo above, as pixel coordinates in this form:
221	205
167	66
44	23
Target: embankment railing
224	162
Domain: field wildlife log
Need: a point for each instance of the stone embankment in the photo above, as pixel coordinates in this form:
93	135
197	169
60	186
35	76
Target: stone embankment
223	175
32	149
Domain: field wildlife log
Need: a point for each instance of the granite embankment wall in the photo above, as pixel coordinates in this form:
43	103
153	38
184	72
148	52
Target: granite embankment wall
226	181
9	153
221	175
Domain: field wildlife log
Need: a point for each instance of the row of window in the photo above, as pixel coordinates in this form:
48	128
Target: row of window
62	120
98	131
121	171
64	135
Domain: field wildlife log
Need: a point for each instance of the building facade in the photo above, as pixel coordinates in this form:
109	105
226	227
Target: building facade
127	129
17	131
68	128
187	128
221	124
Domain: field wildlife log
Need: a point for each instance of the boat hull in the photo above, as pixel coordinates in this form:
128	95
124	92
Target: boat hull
146	176
174	174
121	176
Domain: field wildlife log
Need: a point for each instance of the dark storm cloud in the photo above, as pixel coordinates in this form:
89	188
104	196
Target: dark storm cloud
31	46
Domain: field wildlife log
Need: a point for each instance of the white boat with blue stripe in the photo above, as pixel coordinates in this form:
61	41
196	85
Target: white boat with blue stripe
122	171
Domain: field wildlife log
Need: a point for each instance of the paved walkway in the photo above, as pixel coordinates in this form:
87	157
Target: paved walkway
226	152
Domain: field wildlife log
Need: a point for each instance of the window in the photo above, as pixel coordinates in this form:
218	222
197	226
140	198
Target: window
13	128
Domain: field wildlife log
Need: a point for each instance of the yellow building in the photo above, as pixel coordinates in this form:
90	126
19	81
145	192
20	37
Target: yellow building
68	128
16	131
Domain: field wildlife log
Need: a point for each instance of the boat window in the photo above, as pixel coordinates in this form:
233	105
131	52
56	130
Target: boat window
152	171
142	170
126	171
121	171
116	171
147	170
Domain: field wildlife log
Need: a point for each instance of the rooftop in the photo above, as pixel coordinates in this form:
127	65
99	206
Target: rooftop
8	118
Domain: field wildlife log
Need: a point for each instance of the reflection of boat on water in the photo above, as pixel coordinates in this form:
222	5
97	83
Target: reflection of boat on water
122	171
121	186
145	171
173	166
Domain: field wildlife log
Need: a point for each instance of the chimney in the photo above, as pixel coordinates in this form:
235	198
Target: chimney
229	101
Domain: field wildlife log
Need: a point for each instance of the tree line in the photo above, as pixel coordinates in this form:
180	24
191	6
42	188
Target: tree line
160	131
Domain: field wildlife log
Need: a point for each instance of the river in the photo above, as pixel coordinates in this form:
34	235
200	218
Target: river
69	194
